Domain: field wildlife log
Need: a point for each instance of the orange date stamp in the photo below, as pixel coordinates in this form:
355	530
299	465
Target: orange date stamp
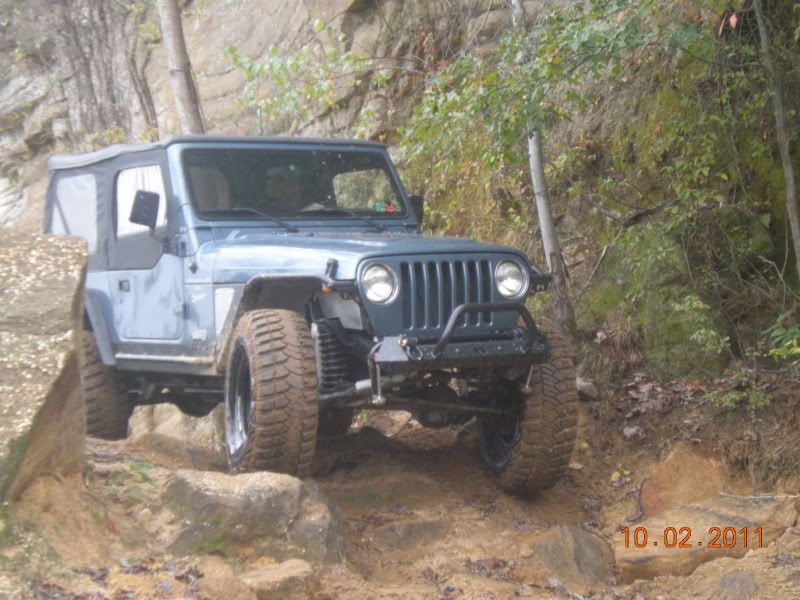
685	537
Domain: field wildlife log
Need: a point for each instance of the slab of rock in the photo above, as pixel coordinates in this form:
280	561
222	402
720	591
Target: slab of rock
291	579
682	478
409	533
167	420
774	514
41	404
219	580
389	422
317	533
11	201
736	585
575	556
274	513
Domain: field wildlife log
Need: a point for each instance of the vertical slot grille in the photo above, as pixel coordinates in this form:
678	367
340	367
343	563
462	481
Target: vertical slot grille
432	289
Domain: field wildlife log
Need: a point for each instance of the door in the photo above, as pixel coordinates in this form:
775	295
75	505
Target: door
145	273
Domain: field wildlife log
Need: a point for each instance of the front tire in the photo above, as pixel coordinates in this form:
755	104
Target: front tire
271	397
530	452
107	405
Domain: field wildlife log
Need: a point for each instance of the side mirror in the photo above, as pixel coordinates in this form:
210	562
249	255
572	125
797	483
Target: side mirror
417	205
145	209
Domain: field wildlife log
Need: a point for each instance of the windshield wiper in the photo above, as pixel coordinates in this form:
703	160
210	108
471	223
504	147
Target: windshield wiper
349	213
255	211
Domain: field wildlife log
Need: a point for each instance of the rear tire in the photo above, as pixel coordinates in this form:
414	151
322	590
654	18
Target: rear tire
271	396
107	405
530	452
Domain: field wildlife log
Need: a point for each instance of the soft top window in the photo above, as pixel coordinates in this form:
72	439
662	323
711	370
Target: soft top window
315	184
129	181
75	208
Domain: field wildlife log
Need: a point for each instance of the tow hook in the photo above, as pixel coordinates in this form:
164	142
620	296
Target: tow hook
377	397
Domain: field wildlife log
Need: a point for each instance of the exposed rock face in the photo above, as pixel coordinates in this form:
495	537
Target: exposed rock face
773	514
83	73
41	405
291	579
277	513
169	421
575	556
683	477
11	201
389	422
736	585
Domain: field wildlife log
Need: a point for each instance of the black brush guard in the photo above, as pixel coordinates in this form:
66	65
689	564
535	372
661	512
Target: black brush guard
396	354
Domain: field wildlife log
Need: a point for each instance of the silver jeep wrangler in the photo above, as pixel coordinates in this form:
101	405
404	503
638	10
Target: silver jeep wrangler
288	279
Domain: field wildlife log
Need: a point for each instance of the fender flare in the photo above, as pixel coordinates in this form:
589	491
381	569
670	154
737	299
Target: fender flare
286	290
92	306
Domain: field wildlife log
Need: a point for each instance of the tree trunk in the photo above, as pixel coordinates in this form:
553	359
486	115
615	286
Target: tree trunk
780	132
552	250
187	101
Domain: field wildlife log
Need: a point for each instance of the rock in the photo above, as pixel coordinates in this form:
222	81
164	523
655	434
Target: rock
575	556
224	587
633	431
178	454
586	389
219	581
736	585
389	422
291	579
54	509
193	442
169	421
773	514
407	534
41	404
11	201
394	489
276	513
318	531
682	478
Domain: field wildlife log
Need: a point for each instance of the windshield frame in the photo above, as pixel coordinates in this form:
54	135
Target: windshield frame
404	217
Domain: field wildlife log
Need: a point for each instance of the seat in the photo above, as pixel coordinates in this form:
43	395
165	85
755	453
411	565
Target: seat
210	188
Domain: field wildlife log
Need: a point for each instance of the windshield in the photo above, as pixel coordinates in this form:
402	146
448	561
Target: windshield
285	183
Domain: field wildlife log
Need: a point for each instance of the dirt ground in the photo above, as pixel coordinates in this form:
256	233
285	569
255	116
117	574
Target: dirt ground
422	518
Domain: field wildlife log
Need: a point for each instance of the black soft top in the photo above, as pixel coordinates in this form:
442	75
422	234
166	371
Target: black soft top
72	161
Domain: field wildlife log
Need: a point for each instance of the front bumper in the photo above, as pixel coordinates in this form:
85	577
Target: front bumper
518	346
395	356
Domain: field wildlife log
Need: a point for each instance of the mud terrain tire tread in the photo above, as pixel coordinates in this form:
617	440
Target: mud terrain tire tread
107	404
548	428
284	394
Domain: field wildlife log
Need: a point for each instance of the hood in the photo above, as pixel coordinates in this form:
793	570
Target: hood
309	252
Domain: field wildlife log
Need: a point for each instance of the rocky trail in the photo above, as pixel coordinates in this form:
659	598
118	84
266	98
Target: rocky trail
394	510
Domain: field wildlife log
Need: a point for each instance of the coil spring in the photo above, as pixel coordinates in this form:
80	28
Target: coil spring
331	359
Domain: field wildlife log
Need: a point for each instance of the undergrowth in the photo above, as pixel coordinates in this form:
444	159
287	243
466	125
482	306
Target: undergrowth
662	163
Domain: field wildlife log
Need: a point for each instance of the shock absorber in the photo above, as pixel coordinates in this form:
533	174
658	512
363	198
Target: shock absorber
331	357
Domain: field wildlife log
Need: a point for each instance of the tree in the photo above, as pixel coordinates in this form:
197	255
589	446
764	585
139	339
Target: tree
552	249
780	130
187	100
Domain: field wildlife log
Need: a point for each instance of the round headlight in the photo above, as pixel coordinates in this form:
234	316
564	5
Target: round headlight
379	283
511	279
